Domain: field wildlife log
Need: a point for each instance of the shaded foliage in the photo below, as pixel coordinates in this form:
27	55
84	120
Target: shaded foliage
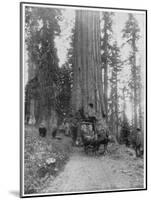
106	37
64	96
41	28
125	132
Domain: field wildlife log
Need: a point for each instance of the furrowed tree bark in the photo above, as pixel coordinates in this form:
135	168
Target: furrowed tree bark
106	71
87	81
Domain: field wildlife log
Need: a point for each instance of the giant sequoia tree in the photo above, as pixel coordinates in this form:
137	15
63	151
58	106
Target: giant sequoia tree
87	69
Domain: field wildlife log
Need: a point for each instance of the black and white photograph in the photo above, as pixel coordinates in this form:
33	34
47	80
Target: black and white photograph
83	99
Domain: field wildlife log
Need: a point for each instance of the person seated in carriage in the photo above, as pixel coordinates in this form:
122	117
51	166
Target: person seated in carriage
91	116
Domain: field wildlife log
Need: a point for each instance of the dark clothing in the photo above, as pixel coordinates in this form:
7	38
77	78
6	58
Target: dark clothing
74	132
42	131
54	132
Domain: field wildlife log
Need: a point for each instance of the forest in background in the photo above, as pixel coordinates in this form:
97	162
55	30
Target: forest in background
92	71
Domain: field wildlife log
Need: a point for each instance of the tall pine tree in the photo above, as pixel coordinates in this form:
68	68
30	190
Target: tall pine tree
131	33
115	63
106	37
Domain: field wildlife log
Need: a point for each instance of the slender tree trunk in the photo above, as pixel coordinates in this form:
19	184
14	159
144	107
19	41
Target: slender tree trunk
135	103
87	83
140	111
124	105
140	97
135	81
106	89
116	105
112	116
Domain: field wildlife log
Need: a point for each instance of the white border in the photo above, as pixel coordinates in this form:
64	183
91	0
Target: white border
75	7
23	67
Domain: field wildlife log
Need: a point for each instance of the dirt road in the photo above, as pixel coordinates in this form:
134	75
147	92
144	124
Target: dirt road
90	173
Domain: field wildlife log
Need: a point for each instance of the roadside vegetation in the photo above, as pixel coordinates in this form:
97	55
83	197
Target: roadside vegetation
44	158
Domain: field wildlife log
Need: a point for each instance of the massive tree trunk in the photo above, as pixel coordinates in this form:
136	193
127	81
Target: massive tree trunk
87	83
106	70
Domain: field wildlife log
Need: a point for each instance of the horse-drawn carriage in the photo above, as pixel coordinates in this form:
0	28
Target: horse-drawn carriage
88	132
92	137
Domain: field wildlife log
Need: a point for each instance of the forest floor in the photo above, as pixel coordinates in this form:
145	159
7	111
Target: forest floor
118	170
74	170
44	158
